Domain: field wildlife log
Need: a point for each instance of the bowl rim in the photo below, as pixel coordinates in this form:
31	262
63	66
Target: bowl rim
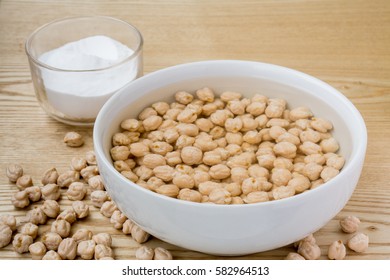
353	161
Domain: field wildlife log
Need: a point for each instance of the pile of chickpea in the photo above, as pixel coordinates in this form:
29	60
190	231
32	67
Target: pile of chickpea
227	149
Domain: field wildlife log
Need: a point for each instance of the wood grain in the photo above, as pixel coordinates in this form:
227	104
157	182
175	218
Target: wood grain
343	42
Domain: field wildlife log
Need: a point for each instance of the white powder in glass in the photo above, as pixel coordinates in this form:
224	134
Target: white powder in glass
77	92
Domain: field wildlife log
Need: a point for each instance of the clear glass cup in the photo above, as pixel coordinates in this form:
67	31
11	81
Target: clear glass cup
75	96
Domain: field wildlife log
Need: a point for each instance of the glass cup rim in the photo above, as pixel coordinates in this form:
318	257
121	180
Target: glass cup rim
40	63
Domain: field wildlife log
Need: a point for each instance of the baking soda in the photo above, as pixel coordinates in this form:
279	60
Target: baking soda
74	87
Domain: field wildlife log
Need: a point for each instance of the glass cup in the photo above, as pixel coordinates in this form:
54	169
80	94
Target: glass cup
74	95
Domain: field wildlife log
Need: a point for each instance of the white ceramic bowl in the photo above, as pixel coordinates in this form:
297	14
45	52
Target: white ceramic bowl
233	229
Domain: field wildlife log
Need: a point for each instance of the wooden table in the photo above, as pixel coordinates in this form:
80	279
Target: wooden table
343	42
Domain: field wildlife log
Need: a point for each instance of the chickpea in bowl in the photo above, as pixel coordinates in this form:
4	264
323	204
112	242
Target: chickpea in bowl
245	227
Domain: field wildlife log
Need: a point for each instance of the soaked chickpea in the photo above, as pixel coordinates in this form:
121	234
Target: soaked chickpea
223	150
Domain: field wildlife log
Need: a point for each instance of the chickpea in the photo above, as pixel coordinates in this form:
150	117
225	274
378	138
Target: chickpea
86	249
90	171
172	114
252	137
50	176
337	250
137	149
67	178
8	220
236	107
220	196
310	251
96	183
302	124
217	132
239	161
37	250
164	172
5	235
130	175
144	253
316	183
81	209
187	116
51	240
349	224
256	196
162	254
280	176
51	208
219	171
36	216
139	235
266	160
21	243
321	125
127	226
67	249
91	157
184	181
121	165
316	158
205	188
131	125
191	155
168	190
108	208
300	184
183	97
329	145
120	139
230	95
204	125
210	108
300	113
288	137
274	110
73	139
310	135
248	123
171	135
117	219
103	238
29	229
358	242
153	183
256	170
146	113
312	171
278	122
189	195
14	172
237	200
24	182
82	235
143	172
261	121
239	174
255	184
68	215
51	255
160	107
328	173
76	191
256	108
294	256
188	129
98	198
283	192
337	162
234	138
61	227
276	131
33	193
161	148
77	164
285	149
205	94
